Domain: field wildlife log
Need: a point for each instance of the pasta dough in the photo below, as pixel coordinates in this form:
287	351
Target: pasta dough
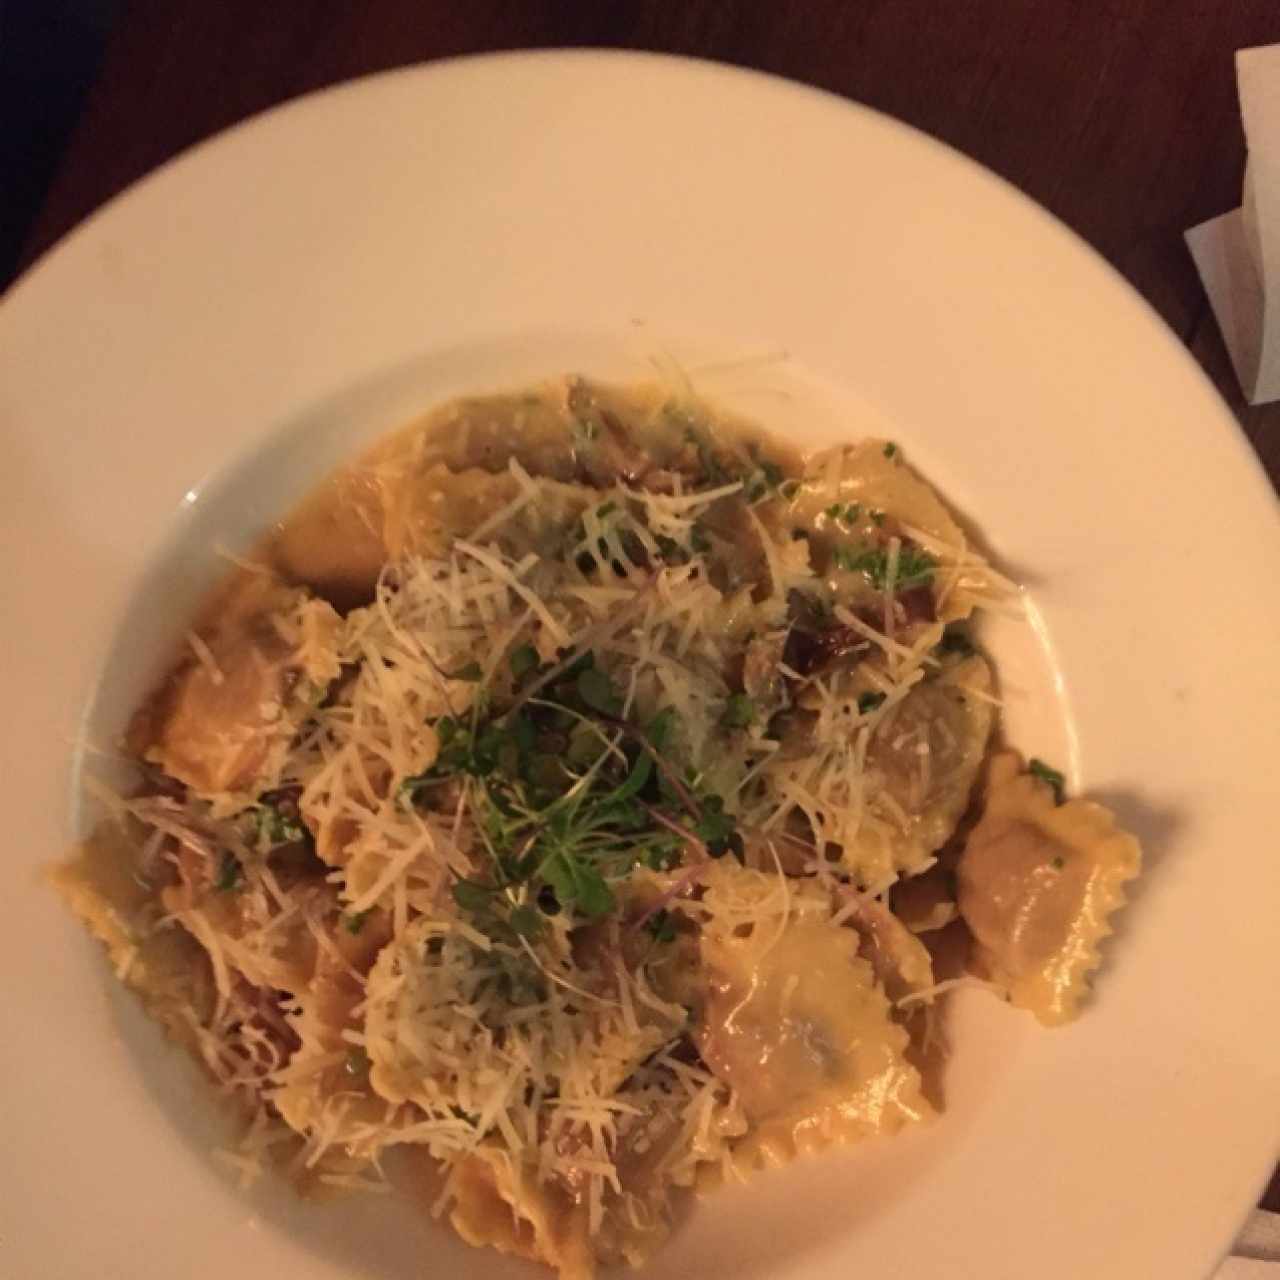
1039	883
798	1028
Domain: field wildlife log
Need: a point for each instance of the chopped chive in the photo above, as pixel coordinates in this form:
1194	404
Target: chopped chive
661	927
1046	773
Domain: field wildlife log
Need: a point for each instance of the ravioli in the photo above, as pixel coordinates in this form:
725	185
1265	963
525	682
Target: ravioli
928	752
164	966
224	721
324	1093
848	495
801	1032
1039	883
494	1205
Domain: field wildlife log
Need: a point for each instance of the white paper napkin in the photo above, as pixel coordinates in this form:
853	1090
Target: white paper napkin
1238	254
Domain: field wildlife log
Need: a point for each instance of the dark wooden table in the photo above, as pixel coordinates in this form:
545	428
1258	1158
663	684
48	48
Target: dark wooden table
1120	116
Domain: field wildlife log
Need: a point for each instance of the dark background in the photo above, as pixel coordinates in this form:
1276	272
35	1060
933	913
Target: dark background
49	54
1120	116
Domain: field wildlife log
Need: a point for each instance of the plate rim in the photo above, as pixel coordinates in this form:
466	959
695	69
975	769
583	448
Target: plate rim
197	154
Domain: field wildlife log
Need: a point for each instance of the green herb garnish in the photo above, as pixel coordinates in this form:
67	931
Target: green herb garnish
870	701
848	513
527	922
523	661
275	826
597	692
739	711
853	561
717	829
355	920
661	926
567	798
229	873
914	569
890	449
1038	769
578	882
716	474
471	896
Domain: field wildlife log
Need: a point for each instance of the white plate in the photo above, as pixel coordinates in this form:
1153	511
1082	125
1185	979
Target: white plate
196	353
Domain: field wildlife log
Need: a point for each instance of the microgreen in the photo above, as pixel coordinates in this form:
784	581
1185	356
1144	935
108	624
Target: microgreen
739	711
597	692
567	797
523	661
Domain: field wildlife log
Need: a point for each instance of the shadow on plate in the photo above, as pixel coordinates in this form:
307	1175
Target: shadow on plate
1156	830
